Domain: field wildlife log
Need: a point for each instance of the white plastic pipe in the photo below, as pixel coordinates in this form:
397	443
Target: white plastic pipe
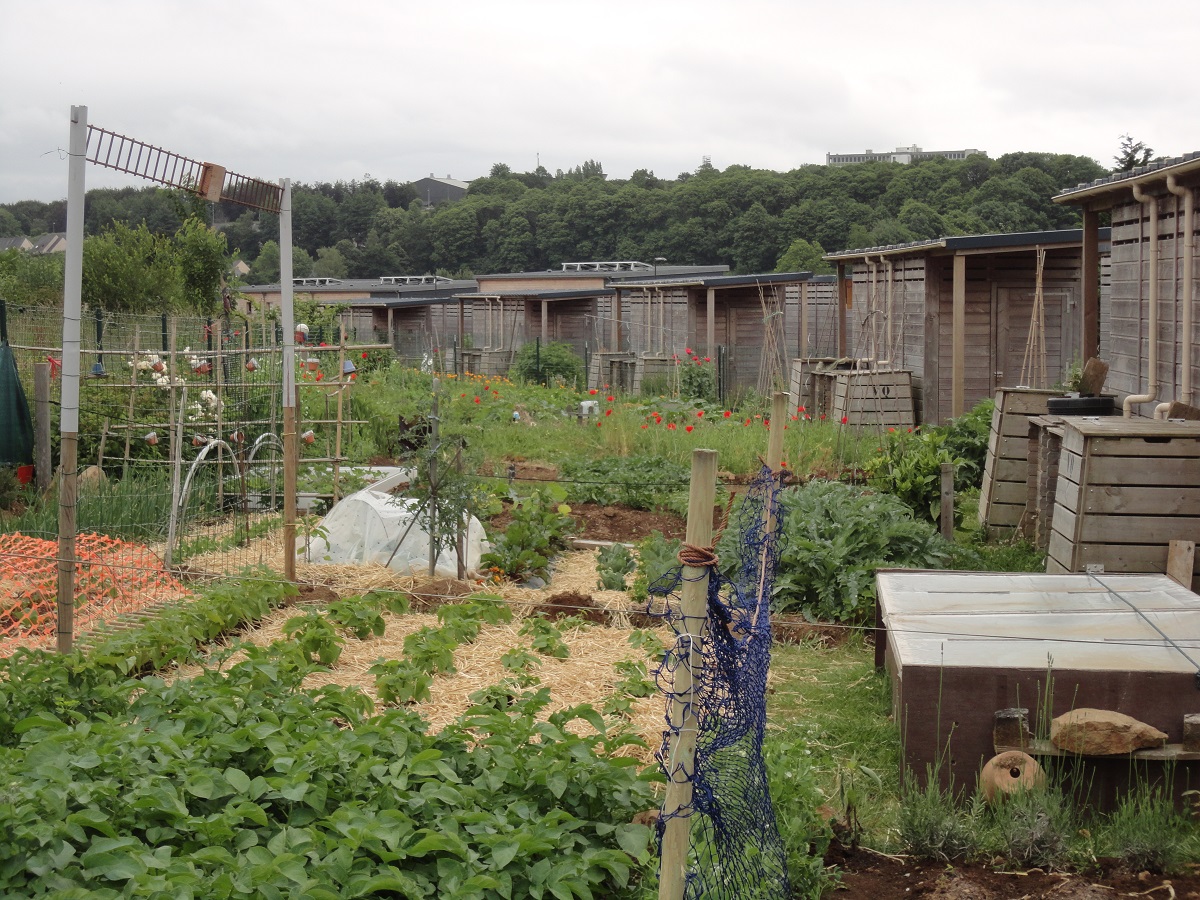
1152	378
1189	251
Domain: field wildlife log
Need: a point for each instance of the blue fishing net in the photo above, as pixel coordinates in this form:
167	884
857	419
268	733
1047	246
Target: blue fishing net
735	848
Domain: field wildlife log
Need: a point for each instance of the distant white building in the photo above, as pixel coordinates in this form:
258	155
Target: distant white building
899	155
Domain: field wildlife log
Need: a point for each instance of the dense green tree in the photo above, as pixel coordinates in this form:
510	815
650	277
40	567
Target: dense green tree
1131	155
754	240
202	259
131	270
802	256
314	220
10	226
330	264
28	279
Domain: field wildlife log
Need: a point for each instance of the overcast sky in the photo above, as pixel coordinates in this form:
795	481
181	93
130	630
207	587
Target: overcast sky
323	91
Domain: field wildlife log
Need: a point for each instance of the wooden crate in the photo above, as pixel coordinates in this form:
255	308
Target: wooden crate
1126	488
881	397
615	369
1045	450
802	384
487	362
1004	493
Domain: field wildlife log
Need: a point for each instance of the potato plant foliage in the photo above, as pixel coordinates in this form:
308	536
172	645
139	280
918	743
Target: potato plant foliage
242	783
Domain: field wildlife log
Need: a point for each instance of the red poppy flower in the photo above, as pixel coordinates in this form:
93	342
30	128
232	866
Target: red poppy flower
800	409
687	350
706	359
689	428
845	420
476	399
462	395
609	398
323	344
593	392
698	361
783	464
747	422
670	426
645	426
794	418
822	417
320	375
891	429
364	356
608	412
606	386
728	414
597	424
699	414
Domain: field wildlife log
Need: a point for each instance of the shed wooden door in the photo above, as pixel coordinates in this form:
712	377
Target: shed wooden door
1014	320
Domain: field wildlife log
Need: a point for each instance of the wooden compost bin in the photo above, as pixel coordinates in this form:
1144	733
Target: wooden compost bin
1005	473
880	397
1045	449
960	646
1126	488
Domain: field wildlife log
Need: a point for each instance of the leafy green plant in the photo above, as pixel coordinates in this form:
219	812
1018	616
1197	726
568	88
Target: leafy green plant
431	650
400	681
518	659
462	621
909	466
360	616
658	562
967	443
1037	827
548	363
544	637
639	482
834	537
613	563
315	637
538	530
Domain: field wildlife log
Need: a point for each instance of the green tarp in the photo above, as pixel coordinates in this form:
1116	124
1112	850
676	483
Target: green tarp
16	425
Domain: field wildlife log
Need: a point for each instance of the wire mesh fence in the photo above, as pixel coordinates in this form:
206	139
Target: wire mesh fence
180	457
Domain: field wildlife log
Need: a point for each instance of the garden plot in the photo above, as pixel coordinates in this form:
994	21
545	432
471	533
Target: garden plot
586	675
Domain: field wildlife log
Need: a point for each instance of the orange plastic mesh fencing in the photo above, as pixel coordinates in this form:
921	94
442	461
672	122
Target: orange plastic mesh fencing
112	577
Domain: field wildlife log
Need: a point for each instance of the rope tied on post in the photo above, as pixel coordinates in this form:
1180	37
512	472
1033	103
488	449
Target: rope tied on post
698	557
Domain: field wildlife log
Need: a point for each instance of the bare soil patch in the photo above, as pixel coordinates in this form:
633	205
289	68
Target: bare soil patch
868	875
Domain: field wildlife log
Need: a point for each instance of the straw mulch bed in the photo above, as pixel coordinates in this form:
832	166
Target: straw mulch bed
586	676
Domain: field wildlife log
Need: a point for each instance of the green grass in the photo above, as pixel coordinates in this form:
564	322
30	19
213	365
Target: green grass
828	723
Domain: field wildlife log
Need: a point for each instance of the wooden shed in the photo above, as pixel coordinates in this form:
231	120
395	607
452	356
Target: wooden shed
967	315
575	305
1147	329
754	324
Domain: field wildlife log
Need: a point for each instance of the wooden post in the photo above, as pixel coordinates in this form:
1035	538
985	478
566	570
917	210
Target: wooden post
946	517
1089	287
343	386
433	451
682	714
133	382
958	328
845	297
710	323
219	374
545	322
41	432
802	349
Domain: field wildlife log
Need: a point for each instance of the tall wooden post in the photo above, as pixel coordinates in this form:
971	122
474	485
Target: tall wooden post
434	420
682	716
845	295
1089	286
41	432
343	386
710	323
958	328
